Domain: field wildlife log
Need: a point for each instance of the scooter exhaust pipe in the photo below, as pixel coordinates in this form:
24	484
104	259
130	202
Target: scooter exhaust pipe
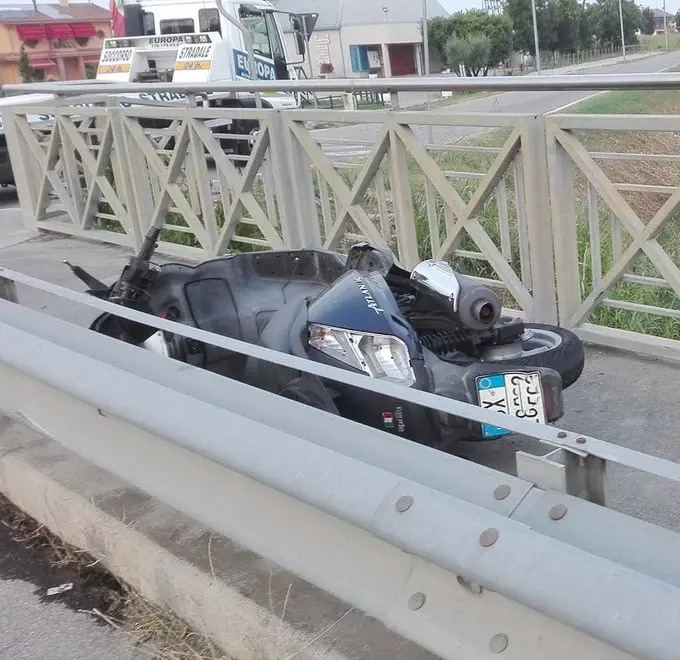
473	305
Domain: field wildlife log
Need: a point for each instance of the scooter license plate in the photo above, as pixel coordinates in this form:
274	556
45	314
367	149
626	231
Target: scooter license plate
515	394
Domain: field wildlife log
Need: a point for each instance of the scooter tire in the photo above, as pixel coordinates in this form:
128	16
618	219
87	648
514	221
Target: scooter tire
567	358
310	392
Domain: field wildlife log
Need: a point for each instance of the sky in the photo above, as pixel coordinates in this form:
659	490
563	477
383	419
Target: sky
450	5
457	5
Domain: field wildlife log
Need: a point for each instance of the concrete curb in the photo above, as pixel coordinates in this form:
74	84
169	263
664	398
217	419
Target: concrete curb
249	607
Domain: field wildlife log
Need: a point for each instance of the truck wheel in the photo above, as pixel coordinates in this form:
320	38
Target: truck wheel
245	147
544	346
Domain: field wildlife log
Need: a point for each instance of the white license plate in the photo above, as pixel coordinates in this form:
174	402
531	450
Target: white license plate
518	395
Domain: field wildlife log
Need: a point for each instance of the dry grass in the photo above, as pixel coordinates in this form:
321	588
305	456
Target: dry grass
153	631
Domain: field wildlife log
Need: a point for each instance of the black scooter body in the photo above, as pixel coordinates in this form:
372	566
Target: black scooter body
270	298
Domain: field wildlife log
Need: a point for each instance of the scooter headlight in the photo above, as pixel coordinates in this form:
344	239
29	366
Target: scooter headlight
380	356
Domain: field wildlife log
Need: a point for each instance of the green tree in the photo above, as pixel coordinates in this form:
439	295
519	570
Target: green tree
472	23
25	70
472	53
606	22
560	25
439	30
520	15
647	20
566	19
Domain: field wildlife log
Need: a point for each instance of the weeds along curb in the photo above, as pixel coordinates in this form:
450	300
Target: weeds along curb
92	590
40	477
177	565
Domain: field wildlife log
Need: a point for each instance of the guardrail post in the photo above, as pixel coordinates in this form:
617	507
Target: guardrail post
8	290
578	474
26	180
539	228
294	185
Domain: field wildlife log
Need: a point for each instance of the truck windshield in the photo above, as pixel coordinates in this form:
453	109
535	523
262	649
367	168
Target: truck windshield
264	30
177	26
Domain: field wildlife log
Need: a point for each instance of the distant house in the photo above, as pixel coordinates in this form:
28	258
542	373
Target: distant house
658	22
61	40
355	38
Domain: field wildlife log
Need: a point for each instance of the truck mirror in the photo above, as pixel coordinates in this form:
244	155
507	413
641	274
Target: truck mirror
300	43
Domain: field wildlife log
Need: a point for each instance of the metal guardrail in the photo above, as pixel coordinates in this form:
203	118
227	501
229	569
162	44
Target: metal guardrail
485	563
554	83
582	445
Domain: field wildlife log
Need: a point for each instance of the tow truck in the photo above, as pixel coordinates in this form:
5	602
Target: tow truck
195	41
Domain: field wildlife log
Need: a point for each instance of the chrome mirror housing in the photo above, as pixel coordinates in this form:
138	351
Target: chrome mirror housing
473	305
436	278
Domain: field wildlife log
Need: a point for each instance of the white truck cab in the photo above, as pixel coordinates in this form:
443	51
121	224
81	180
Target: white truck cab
191	41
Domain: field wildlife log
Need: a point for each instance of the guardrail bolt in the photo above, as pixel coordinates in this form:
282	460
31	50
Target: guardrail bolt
581	440
501	492
416	601
562	435
404	503
558	512
488	537
498	643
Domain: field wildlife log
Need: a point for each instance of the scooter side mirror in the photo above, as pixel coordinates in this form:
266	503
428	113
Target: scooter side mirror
472	304
368	258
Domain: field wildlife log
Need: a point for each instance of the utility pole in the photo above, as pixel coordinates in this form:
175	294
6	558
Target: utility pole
426	64
426	41
665	27
536	48
623	39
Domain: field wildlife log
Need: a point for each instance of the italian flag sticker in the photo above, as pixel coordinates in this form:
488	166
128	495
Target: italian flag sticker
388	420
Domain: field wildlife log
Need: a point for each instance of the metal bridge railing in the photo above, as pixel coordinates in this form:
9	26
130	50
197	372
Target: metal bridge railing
539	207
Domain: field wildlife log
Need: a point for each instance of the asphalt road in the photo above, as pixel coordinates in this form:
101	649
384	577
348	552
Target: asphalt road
351	140
32	628
34	625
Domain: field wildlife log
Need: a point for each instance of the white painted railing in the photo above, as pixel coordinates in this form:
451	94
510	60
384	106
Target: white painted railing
524	203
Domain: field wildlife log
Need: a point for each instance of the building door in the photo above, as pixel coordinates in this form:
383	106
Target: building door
402	59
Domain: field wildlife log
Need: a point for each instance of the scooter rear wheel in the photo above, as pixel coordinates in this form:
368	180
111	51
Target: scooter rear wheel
544	346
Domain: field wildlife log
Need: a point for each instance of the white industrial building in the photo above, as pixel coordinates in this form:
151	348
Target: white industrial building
355	38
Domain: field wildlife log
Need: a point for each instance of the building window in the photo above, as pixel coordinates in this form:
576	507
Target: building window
177	26
359	58
209	20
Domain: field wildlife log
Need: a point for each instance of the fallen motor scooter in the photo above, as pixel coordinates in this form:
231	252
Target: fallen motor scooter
431	329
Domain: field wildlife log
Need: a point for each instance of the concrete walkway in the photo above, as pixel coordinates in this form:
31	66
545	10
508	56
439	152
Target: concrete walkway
621	398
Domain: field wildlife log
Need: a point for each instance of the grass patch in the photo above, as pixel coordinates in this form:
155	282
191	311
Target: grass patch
632	102
658	41
454	99
644	284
